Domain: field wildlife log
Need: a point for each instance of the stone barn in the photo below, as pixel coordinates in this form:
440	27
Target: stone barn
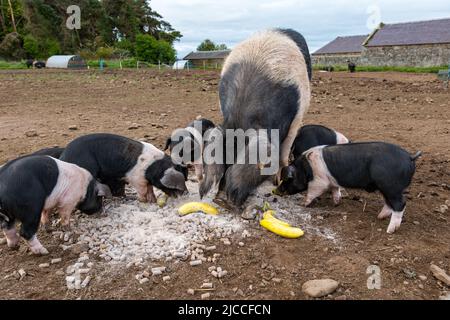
417	44
207	59
339	51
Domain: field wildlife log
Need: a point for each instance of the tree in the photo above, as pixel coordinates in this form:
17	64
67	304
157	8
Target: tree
206	45
152	50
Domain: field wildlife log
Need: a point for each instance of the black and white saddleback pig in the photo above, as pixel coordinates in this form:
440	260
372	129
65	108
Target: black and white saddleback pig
265	85
372	166
31	187
115	161
195	131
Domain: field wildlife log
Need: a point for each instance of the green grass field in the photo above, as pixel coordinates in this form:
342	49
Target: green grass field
385	69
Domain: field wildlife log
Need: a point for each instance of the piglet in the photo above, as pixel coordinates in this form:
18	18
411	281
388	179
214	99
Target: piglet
31	187
195	132
372	166
116	161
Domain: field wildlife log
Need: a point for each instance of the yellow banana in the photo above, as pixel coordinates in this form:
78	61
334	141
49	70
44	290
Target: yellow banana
162	201
282	230
269	215
197	207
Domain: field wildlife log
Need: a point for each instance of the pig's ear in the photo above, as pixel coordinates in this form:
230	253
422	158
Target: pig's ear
168	143
173	179
290	173
103	191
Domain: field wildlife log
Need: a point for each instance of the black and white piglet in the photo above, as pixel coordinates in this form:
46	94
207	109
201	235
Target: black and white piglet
115	161
195	131
31	187
372	166
311	136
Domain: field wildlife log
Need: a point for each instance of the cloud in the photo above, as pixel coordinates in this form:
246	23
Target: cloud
320	21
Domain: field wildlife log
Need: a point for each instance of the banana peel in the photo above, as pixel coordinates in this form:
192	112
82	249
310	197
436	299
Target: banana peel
194	207
279	227
162	201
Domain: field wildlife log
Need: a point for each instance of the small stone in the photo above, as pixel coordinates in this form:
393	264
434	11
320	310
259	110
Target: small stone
55	261
60	273
31	134
196	263
191	292
440	274
417	223
443	208
70	279
44	265
320	288
22	273
73	128
134	126
86	282
277	280
241	244
207	286
421	286
206	296
144	281
212	248
211	269
166	278
423	278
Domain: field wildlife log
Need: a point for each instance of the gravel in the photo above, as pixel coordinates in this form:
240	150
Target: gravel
131	232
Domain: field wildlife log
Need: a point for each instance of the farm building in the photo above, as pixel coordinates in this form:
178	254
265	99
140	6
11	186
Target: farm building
414	44
422	44
66	62
338	51
208	59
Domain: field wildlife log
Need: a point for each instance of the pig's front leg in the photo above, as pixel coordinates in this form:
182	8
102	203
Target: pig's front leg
198	171
151	198
385	213
65	214
45	220
337	195
12	238
396	221
315	190
36	247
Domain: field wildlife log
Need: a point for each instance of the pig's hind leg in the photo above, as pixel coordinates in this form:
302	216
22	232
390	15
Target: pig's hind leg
10	232
28	231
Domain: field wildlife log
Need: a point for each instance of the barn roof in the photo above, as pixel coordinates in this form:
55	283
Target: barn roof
205	55
412	33
351	44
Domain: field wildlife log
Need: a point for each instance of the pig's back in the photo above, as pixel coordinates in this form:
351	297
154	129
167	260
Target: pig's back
262	83
103	154
28	175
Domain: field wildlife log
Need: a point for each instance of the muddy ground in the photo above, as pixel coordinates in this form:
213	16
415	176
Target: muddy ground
42	108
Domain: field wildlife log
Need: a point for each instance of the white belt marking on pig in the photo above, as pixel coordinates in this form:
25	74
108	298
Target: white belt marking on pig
70	188
136	176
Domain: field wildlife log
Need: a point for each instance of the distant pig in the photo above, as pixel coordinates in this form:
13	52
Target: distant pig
31	187
372	166
115	161
195	131
311	136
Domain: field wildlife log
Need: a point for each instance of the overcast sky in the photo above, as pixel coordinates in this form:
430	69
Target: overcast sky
320	21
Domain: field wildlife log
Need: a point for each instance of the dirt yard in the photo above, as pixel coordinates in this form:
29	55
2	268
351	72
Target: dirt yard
43	109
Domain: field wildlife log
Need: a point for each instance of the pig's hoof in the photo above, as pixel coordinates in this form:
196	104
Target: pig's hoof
393	226
39	251
14	247
47	228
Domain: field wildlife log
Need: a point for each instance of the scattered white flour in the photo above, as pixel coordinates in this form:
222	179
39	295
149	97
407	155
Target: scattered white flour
130	232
